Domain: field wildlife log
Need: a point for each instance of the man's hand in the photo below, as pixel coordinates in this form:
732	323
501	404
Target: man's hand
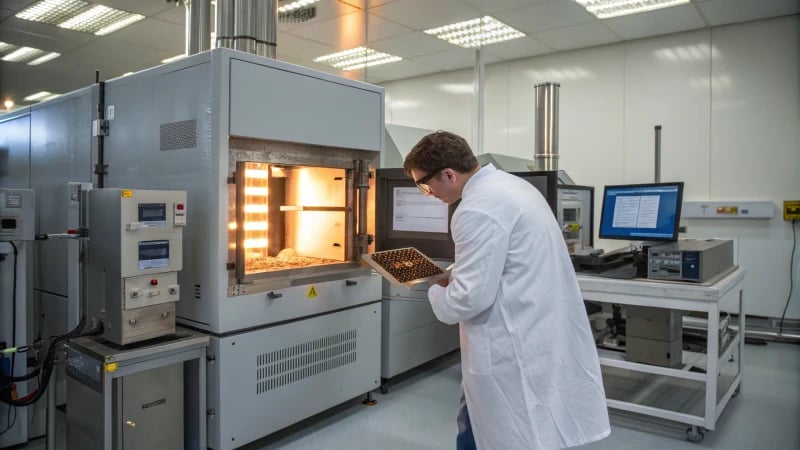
443	282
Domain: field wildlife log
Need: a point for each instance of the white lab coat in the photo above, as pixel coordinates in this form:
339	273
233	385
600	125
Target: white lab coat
530	370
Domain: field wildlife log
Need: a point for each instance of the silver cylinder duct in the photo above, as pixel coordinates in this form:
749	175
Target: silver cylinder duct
244	22
266	27
546	144
198	26
224	24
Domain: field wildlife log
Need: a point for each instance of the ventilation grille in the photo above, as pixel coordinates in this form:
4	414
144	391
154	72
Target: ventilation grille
197	292
298	362
178	135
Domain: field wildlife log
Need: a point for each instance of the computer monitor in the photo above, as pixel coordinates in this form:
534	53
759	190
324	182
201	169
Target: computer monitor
405	217
641	212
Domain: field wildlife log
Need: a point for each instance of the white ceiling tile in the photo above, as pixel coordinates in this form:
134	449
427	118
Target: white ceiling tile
518	48
421	15
652	23
546	16
341	33
411	44
41	35
457	58
299	50
178	15
721	12
153	33
495	6
398	70
143	7
379	28
577	36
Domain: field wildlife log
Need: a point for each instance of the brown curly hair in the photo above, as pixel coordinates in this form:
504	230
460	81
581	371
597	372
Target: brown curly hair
440	150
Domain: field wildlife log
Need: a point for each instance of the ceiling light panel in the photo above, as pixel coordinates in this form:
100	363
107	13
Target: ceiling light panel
5	47
38	96
52	11
357	58
23	54
290	6
476	32
44	58
604	9
101	20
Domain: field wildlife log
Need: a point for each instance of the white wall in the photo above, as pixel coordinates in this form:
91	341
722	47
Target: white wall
728	99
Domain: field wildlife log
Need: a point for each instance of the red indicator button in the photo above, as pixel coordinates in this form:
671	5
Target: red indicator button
180	206
154	282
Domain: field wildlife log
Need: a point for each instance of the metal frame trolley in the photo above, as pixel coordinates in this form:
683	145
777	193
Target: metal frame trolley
698	391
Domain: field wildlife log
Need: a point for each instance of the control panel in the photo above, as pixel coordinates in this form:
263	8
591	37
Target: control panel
17	215
135	254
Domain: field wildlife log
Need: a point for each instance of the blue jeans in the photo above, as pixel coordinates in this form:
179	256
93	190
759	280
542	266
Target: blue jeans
464	440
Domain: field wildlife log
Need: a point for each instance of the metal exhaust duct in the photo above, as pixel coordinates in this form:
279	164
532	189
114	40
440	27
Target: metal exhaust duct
248	25
198	26
545	154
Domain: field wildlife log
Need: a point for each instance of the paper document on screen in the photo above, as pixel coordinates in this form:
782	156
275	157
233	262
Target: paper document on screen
414	211
636	211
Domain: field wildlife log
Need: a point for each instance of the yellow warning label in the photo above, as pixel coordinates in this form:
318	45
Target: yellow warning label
111	367
127	193
312	292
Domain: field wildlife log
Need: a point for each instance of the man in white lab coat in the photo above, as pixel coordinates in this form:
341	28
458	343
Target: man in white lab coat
531	377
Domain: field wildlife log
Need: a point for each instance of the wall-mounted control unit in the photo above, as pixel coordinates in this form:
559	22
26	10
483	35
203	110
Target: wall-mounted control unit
16	215
791	210
135	253
690	260
731	209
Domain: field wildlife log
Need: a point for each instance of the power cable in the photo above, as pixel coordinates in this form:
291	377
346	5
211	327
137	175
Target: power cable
791	277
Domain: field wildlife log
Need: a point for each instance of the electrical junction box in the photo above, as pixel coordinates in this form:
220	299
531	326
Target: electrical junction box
727	210
791	210
16	215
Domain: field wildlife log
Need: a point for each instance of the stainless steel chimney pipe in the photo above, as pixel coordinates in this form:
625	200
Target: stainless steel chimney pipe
224	24
546	140
266	27
198	26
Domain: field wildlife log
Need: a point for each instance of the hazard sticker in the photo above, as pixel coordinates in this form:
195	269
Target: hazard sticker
312	292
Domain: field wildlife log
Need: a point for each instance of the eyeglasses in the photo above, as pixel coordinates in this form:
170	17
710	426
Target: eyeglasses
422	183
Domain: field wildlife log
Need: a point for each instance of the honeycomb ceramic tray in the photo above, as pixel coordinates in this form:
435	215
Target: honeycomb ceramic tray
404	266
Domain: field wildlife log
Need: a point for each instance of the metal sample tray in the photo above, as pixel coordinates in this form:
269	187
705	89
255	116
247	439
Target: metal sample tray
404	266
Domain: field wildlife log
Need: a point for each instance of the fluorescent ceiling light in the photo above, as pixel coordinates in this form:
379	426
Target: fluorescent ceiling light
22	54
357	58
604	9
476	32
5	46
43	59
101	20
287	7
172	59
52	11
38	96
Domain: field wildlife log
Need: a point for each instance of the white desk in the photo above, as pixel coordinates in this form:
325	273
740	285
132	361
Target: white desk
682	395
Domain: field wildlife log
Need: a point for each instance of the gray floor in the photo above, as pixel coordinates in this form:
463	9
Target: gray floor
419	413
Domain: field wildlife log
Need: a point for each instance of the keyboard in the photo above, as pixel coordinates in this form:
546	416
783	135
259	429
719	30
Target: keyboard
626	272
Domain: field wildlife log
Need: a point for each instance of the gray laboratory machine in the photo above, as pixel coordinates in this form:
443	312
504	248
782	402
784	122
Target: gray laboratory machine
275	162
697	260
17	230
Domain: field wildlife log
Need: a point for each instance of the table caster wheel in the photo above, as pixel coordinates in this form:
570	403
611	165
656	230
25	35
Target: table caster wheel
694	434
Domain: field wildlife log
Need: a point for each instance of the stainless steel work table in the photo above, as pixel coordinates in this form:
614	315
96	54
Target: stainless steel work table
697	393
115	362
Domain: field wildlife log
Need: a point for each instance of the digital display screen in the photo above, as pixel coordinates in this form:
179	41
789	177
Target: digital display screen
153	214
153	254
649	212
415	211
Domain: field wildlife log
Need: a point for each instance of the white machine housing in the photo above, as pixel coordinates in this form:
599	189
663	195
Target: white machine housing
135	254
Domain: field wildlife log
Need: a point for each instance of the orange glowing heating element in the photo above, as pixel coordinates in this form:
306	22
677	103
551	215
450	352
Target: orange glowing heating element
256	209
